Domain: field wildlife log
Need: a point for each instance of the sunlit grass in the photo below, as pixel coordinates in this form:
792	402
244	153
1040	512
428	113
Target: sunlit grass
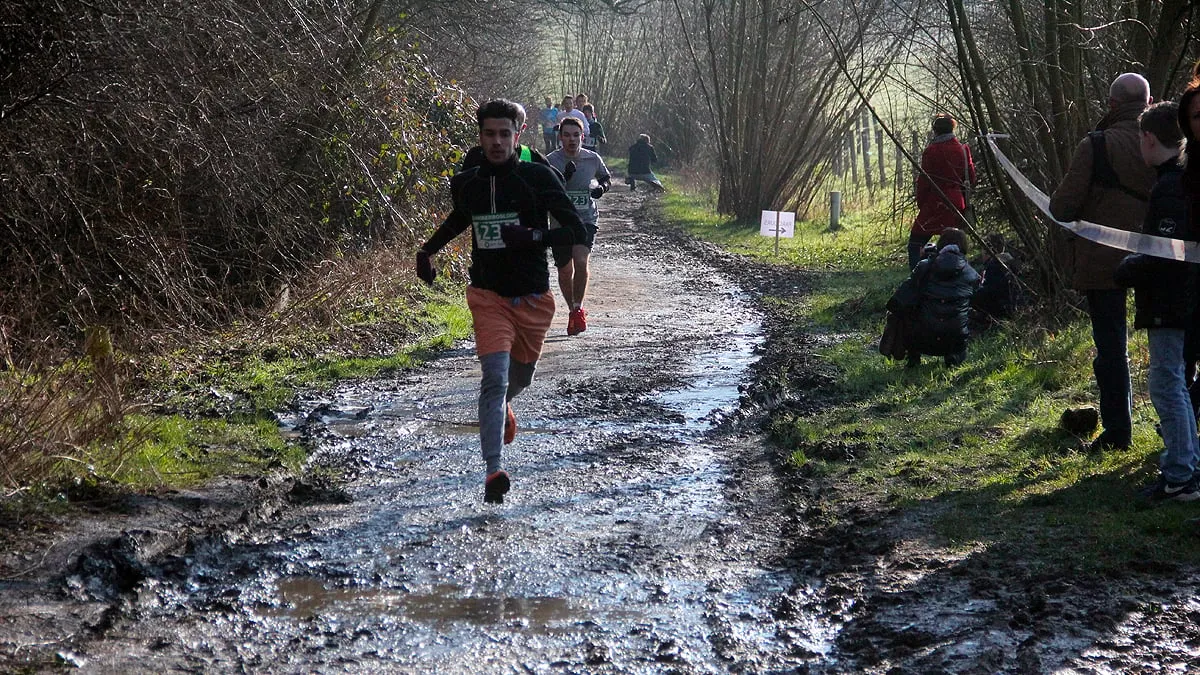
861	242
179	451
980	442
217	415
263	380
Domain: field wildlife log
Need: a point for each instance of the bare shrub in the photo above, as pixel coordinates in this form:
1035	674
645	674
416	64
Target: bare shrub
176	165
52	418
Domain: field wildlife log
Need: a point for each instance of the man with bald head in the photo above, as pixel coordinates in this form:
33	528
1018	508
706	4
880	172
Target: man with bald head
1108	184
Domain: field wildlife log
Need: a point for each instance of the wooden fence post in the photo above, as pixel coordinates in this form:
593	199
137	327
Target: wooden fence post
866	150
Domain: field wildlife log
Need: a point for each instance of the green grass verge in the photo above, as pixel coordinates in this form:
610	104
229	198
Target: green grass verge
265	376
978	443
214	408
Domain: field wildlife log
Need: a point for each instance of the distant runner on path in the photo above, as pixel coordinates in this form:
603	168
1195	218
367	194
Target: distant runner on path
587	181
641	156
568	109
549	120
505	202
595	130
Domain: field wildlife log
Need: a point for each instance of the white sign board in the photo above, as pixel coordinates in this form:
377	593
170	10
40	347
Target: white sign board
781	222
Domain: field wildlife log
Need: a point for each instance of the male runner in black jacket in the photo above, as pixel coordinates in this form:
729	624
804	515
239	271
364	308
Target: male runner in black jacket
505	202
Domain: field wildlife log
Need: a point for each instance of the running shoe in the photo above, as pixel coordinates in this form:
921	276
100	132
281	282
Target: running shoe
495	486
510	424
577	321
1163	490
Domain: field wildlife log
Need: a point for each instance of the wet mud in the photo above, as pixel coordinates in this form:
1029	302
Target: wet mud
651	528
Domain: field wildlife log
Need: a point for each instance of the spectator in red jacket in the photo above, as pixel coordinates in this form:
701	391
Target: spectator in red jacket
946	164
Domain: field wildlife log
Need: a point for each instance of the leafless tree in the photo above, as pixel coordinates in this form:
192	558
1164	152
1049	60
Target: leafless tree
175	163
775	78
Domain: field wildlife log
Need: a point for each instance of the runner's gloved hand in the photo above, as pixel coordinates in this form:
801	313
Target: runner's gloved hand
519	236
568	170
597	192
425	270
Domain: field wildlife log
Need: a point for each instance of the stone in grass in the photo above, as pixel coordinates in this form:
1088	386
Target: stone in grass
1080	422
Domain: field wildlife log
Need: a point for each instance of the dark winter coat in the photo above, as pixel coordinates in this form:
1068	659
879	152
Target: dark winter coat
1191	188
995	294
950	166
1164	290
641	156
1079	197
948	283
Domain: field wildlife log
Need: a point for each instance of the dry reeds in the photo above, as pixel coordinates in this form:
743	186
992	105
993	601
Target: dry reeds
173	166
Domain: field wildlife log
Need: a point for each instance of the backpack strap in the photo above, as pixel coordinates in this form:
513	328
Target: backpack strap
1102	170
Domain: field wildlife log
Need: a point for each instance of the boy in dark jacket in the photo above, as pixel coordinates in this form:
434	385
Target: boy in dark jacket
1164	294
947	282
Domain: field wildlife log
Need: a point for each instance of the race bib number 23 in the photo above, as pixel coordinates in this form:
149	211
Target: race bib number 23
580	199
487	228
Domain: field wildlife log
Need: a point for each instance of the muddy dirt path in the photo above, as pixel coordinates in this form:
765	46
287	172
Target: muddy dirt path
641	534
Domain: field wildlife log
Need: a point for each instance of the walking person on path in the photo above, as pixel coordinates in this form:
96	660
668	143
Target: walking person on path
1107	184
641	156
505	203
1164	293
587	180
946	165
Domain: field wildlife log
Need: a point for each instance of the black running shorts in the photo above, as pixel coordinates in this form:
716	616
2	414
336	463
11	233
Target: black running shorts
562	254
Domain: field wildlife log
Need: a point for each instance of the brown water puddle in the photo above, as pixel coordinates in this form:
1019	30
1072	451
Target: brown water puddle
308	597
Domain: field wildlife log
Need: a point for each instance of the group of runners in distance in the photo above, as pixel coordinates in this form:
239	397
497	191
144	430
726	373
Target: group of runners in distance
518	202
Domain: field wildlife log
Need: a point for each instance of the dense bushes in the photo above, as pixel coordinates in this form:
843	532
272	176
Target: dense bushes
174	164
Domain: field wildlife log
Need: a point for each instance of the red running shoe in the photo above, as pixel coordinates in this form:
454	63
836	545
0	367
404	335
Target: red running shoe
577	321
495	486
510	425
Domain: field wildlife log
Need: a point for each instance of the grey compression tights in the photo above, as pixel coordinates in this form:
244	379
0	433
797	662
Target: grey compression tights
503	379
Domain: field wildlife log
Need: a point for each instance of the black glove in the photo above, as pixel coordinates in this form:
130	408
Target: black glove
519	236
1127	271
597	192
568	170
425	271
